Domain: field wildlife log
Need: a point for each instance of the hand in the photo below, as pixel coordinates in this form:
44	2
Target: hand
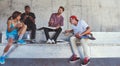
57	27
26	16
31	17
19	25
67	31
77	35
50	23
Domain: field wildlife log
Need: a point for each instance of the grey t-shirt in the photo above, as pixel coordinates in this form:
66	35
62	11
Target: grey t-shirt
80	28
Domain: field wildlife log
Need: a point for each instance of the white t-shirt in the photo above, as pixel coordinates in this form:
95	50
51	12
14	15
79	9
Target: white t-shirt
80	27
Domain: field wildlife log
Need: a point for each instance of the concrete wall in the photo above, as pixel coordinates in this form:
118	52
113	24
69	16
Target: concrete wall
101	15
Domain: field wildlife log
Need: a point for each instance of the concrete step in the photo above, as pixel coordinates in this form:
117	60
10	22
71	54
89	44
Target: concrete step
39	55
102	38
58	55
106	39
59	51
39	51
104	51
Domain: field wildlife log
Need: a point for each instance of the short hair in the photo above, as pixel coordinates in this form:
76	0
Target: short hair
62	8
27	6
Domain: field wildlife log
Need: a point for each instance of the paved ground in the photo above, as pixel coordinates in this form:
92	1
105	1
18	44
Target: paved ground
39	62
60	62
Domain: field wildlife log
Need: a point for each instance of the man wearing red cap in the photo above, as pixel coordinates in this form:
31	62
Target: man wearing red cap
81	31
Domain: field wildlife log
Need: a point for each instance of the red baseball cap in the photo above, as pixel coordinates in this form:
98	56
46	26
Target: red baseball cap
73	17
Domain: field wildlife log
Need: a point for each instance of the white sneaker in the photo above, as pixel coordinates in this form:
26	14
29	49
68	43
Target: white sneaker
49	41
33	41
53	42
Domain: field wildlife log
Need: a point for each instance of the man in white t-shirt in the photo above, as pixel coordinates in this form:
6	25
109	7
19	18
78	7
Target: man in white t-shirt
80	29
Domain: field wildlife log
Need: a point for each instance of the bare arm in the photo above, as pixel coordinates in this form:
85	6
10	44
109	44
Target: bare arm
51	21
9	26
88	30
68	31
32	19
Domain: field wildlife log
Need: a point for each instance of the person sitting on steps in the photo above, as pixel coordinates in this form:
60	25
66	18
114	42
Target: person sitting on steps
55	23
15	31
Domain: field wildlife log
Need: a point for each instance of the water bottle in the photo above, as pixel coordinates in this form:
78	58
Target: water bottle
28	35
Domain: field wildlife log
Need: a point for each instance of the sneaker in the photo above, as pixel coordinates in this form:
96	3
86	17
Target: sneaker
53	42
49	41
21	42
86	61
92	38
2	60
33	41
74	58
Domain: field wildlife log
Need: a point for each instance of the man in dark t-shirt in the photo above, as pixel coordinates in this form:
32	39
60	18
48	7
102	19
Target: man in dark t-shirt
29	19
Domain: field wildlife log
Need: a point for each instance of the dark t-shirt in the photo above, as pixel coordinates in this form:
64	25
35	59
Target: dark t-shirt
28	21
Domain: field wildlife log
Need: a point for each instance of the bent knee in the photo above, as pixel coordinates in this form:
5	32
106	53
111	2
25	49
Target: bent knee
84	41
9	44
73	38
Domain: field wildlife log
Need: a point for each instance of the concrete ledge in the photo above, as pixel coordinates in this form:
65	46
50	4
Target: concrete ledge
40	36
102	38
104	51
59	51
58	55
106	45
39	51
106	38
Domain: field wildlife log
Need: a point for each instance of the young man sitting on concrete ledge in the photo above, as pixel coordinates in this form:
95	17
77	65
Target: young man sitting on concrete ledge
82	33
55	23
28	18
